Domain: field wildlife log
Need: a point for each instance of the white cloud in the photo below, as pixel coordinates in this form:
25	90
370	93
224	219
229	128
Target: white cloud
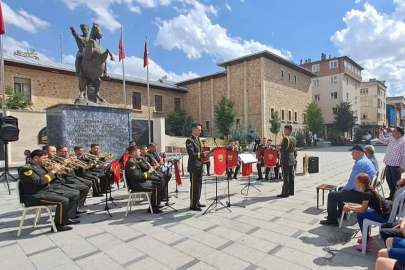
104	13
376	40
195	34
11	45
134	68
23	19
228	7
242	1
68	59
357	1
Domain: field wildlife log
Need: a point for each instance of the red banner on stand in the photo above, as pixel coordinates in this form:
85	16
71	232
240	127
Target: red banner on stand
232	158
206	159
247	169
259	154
177	173
219	161
270	158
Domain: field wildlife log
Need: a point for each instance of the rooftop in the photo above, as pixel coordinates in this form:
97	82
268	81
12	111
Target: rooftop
323	58
48	66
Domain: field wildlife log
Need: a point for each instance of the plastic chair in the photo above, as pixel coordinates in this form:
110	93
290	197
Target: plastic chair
133	196
397	211
378	185
37	208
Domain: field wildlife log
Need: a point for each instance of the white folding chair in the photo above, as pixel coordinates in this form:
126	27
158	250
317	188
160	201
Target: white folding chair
353	204
38	210
378	185
133	196
397	211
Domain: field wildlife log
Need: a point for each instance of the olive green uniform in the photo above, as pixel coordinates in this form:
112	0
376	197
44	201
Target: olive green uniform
287	148
195	168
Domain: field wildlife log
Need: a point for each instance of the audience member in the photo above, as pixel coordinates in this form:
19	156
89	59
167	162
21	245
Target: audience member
27	154
370	153
395	251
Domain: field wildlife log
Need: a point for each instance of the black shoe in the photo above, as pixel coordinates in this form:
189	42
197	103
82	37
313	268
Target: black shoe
388	198
236	178
78	212
329	222
62	228
73	222
208	174
201	205
195	208
155	211
282	196
266	178
98	195
291	194
259	178
75	217
159	206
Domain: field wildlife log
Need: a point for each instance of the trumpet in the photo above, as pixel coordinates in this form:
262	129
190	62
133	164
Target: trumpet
100	155
50	164
70	163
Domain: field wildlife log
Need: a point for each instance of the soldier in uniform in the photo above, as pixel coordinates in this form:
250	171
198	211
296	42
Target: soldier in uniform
155	160
287	148
260	163
81	42
142	181
195	166
99	168
36	190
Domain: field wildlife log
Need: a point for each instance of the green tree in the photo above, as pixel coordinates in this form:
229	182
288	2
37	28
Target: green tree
300	137
314	118
224	115
15	101
358	136
251	134
30	53
178	123
307	135
238	133
275	125
344	119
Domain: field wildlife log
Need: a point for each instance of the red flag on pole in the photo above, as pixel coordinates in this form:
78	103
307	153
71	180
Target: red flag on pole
2	26
145	56
177	173
121	54
115	167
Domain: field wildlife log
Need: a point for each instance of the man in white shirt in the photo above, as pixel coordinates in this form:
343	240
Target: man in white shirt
368	138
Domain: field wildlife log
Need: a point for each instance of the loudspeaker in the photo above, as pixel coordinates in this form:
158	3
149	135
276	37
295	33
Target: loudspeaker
313	165
9	129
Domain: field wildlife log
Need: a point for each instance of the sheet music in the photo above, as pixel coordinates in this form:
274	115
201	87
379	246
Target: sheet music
248	158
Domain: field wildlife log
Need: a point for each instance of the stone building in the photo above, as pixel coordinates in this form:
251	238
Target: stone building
373	106
258	84
47	83
339	79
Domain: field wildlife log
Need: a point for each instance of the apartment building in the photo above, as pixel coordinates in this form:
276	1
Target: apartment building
395	107
373	105
338	79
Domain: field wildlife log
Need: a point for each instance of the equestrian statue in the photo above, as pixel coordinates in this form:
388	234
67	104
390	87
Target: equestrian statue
90	62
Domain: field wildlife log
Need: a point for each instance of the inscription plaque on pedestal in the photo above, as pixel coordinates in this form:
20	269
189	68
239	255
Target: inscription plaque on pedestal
81	125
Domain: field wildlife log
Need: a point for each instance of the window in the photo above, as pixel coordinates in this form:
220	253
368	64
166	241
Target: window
238	122
282	74
282	115
136	101
315	82
207	125
177	104
333	80
364	116
289	76
289	116
347	81
333	64
295	78
304	118
158	103
364	91
23	86
334	110
333	95
355	99
365	104
317	97
295	116
315	68
271	113
347	96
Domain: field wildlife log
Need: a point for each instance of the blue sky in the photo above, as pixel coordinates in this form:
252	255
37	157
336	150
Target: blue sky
187	37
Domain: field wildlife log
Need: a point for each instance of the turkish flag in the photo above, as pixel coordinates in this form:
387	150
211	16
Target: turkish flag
232	157
115	168
2	26
145	56
219	161
206	159
270	158
121	53
125	158
247	169
177	173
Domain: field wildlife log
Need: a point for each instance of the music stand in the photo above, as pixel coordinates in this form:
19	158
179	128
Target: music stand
166	187
248	159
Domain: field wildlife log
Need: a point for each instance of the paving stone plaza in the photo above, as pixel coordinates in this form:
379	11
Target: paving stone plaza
270	233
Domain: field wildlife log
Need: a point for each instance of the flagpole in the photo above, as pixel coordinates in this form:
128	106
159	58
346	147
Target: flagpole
123	70
3	84
147	86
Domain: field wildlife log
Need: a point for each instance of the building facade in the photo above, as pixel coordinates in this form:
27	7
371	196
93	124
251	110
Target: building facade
395	107
373	105
258	84
338	79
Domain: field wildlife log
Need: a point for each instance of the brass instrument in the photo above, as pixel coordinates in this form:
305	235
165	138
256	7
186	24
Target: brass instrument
63	169
100	155
72	164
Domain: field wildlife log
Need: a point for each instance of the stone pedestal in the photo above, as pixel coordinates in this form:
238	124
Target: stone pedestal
81	125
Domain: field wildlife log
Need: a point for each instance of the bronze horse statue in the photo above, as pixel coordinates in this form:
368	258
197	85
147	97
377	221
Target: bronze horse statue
93	66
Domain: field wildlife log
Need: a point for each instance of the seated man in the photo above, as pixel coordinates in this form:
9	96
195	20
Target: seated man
155	160
229	171
261	163
370	153
35	181
349	193
142	181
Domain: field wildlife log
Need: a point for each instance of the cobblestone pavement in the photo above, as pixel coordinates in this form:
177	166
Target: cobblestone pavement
270	233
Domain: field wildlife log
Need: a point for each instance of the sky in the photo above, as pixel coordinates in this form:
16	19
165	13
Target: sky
187	38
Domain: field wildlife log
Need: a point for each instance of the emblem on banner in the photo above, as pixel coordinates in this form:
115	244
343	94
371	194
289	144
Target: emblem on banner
230	157
270	156
220	158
